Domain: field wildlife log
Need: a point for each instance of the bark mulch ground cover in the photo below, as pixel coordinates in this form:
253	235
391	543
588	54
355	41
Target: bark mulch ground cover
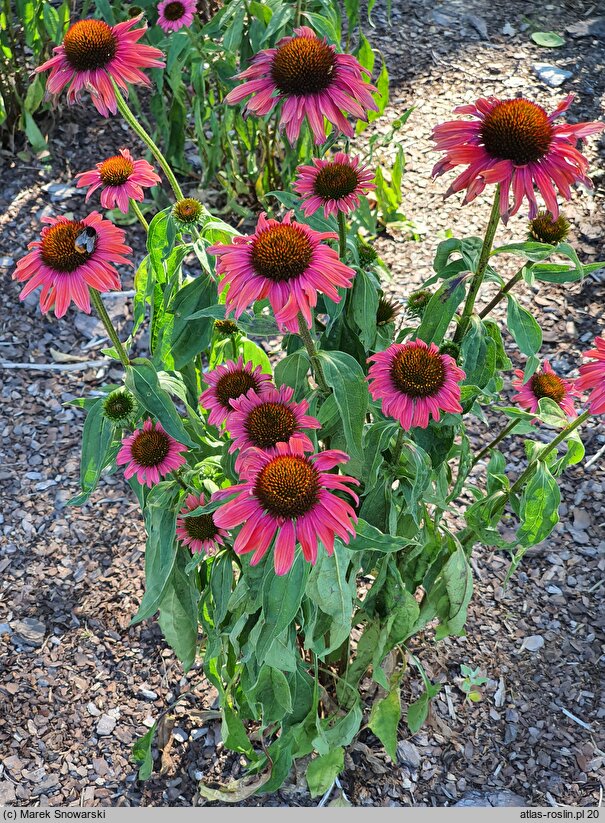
78	686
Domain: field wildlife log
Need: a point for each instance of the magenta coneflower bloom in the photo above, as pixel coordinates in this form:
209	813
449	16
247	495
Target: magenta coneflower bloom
268	420
514	143
228	382
174	14
414	382
93	54
286	262
66	269
289	493
121	177
545	383
335	184
592	377
312	80
150	453
200	533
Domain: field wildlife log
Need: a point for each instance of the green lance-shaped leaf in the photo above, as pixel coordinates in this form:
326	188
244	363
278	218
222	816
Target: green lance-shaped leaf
160	242
281	600
97	451
292	371
142	380
233	732
523	327
329	588
385	717
345	376
189	337
179	613
539	511
323	771
369	538
141	753
479	352
365	305
272	693
439	312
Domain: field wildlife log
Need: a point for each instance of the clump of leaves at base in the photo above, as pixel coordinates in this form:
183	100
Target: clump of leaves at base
418	301
119	407
546	230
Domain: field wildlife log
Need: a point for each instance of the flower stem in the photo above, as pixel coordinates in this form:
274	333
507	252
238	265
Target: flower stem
503	292
477	280
312	352
134	124
105	318
134	206
180	481
398	447
342	236
297	13
504	433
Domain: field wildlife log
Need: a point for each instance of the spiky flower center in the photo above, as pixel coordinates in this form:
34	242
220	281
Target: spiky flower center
116	170
118	406
59	250
187	210
270	423
546	230
150	447
387	311
225	327
544	384
201	527
418	372
517	130
367	253
174	11
232	385
288	486
90	45
418	301
335	180
304	65
281	253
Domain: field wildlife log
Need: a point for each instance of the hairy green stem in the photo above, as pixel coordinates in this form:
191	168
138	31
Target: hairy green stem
503	292
134	206
95	298
342	236
477	280
312	352
398	447
134	124
504	433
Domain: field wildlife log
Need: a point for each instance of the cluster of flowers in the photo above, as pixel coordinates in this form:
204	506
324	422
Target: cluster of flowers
287	487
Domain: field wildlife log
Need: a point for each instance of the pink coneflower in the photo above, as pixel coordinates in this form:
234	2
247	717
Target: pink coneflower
285	262
150	453
122	178
268	420
174	14
290	493
312	80
199	532
414	381
228	382
93	54
514	143
65	268
545	383
335	184
592	377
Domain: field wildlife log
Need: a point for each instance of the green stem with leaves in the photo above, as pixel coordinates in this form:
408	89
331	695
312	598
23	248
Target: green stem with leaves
503	292
134	124
504	433
97	302
140	216
312	352
398	447
342	236
477	280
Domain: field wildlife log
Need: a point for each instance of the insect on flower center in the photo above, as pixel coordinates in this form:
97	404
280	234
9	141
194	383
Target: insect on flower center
232	385
201	527
517	130
150	448
270	423
302	66
281	253
174	11
90	45
116	170
418	372
59	250
545	384
335	180
288	486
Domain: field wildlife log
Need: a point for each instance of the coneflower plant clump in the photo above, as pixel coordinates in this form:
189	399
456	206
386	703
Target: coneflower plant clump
310	513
